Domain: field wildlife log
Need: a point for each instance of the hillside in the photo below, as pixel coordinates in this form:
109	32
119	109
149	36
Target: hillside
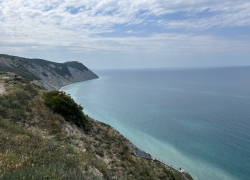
45	135
46	74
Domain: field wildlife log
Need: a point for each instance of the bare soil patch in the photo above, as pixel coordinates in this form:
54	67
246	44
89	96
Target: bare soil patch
2	89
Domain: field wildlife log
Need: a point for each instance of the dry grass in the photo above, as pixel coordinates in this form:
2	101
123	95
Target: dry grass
20	139
12	161
104	129
110	135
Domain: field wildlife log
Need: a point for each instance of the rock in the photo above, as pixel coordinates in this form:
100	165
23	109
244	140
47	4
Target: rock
96	172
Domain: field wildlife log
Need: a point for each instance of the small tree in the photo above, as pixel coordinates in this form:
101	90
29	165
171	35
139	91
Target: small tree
63	104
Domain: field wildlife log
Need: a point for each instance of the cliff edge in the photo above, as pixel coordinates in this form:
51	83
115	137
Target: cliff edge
46	74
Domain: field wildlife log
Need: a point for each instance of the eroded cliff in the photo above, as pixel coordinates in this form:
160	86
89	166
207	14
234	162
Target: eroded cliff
46	74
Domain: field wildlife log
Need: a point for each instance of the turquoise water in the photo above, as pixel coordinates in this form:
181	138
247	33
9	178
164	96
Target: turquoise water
197	119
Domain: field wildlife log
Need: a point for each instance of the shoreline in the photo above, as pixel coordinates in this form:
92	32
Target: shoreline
60	89
132	146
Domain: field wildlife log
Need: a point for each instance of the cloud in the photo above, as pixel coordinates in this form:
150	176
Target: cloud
99	16
239	16
51	25
164	44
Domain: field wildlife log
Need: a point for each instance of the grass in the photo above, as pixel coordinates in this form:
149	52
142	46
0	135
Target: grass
23	152
16	104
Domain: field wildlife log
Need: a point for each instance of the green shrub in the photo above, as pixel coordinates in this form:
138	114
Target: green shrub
188	176
107	146
18	114
100	152
171	174
125	148
3	112
100	165
97	144
63	104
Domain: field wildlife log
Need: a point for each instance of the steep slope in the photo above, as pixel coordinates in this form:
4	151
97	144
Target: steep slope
46	74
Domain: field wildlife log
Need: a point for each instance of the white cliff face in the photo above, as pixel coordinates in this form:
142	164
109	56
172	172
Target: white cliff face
6	62
49	78
53	81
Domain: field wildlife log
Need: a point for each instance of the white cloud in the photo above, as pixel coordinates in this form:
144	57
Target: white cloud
164	44
99	16
240	16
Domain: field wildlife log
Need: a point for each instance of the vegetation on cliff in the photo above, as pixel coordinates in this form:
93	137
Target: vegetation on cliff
63	104
45	135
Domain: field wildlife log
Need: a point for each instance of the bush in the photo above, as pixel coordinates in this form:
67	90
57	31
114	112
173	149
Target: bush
63	104
100	165
171	174
100	152
18	114
54	128
188	176
7	80
3	111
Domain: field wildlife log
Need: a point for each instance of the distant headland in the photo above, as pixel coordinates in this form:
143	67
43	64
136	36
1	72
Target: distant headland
46	74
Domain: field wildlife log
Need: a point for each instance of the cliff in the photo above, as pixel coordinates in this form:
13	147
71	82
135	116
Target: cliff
46	74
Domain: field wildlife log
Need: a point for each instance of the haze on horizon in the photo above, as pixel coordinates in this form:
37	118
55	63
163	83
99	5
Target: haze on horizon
128	33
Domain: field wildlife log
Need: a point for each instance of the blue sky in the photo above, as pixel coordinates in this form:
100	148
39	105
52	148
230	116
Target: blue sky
128	33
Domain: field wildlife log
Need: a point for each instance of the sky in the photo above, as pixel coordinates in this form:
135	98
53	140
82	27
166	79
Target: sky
117	34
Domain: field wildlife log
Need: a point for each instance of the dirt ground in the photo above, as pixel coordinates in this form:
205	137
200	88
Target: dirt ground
2	89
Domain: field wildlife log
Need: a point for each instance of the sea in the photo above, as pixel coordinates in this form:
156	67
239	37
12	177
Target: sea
194	118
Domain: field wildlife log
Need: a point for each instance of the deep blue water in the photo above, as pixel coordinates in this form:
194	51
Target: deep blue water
197	119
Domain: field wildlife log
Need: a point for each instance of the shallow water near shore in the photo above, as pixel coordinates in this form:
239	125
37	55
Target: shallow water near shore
197	119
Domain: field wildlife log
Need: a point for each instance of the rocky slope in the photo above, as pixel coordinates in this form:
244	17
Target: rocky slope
46	74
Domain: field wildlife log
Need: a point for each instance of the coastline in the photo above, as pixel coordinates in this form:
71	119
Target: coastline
133	147
68	85
60	89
